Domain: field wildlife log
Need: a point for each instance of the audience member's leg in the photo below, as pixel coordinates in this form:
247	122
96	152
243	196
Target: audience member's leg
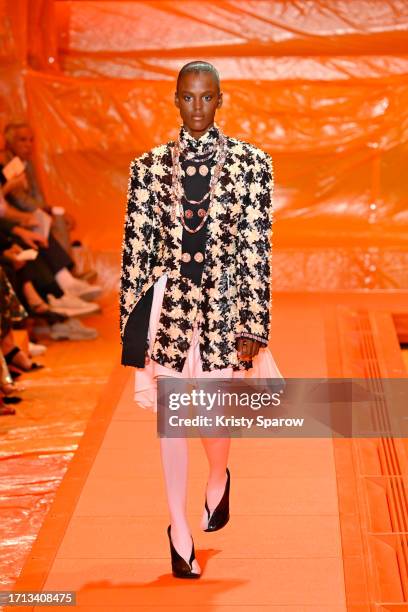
11	273
41	276
61	263
55	256
19	359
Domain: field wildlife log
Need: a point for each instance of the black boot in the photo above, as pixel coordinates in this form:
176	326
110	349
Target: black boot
180	568
220	517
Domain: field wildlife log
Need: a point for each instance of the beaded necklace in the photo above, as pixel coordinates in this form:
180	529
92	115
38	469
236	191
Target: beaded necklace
177	190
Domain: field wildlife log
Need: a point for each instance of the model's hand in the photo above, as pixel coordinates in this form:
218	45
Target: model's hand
248	348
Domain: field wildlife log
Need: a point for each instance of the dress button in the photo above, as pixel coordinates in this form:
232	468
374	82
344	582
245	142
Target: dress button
199	257
186	257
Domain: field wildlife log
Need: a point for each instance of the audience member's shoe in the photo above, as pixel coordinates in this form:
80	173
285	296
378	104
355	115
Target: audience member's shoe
38	311
36	349
14	373
71	305
12	399
17	366
5	410
72	330
87	275
7	389
42	330
84	290
76	325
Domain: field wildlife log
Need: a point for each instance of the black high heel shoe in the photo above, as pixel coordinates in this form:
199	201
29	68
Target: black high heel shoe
9	360
180	567
220	517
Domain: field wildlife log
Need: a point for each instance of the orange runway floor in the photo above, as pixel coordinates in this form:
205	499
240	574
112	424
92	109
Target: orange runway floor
309	529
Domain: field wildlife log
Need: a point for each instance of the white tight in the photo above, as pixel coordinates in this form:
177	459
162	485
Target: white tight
174	454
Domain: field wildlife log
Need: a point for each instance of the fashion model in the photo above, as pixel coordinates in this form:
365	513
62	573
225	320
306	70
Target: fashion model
195	284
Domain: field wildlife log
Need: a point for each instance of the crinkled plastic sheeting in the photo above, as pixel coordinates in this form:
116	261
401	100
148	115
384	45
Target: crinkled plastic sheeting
38	442
321	86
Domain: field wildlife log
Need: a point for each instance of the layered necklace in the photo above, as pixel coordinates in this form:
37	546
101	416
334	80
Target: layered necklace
218	150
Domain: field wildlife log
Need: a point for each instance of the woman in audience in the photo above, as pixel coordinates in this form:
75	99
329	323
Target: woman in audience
12	311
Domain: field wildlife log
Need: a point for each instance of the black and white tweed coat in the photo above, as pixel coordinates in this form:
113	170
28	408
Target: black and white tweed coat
234	298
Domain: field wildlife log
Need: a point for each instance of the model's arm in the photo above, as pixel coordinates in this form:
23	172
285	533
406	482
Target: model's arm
254	255
136	239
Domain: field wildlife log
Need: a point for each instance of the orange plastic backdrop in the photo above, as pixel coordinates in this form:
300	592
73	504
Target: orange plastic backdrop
323	86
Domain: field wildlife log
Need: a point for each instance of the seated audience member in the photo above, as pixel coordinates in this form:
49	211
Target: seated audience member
28	197
45	285
10	311
43	298
26	219
52	256
7	388
56	257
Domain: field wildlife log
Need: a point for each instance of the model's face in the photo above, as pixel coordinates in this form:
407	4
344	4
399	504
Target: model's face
198	98
22	144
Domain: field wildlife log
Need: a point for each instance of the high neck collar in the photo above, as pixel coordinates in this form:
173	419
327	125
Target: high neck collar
200	145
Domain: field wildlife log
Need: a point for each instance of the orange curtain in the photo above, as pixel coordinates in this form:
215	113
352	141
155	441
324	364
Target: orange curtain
322	86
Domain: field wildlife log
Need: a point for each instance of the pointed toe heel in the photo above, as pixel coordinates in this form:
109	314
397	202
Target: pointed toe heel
179	566
220	517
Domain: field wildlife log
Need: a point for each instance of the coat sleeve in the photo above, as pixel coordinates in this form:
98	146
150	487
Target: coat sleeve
136	239
255	254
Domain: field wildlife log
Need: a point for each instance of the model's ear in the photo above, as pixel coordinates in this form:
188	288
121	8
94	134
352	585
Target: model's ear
220	100
176	100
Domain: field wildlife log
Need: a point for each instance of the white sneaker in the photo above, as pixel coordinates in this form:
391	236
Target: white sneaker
84	290
76	326
36	349
72	329
71	305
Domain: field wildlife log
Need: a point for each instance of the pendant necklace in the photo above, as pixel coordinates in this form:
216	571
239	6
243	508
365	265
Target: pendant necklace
177	191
